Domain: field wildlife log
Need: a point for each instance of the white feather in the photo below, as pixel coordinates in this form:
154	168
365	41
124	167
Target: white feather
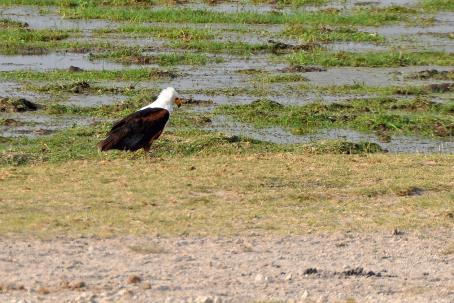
166	100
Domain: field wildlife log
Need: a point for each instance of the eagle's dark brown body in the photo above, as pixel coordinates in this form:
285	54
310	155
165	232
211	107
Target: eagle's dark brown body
138	130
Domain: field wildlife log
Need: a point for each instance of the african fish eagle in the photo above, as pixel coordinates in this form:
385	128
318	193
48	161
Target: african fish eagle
141	128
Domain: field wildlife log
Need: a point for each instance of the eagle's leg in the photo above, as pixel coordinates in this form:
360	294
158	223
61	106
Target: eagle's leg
146	150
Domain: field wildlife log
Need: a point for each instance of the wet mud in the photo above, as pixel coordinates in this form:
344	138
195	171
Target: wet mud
397	144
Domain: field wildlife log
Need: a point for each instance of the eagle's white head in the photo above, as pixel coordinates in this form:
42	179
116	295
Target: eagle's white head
166	99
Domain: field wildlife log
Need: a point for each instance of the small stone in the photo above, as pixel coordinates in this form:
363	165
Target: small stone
397	232
42	291
163	287
269	280
304	296
133	279
77	285
310	271
75	69
288	277
259	278
125	292
64	284
217	300
146	285
204	300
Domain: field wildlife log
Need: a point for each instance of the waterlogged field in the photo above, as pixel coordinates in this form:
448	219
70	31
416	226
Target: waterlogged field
304	122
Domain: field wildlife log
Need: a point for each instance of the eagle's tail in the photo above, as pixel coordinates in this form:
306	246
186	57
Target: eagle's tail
114	139
105	144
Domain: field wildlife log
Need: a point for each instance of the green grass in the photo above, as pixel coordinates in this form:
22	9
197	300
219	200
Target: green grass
17	39
8	23
438	5
291	2
277	193
22	40
136	56
371	59
31	2
181	139
415	117
182	15
138	30
106	75
432	74
74	3
328	34
230	47
360	88
277	78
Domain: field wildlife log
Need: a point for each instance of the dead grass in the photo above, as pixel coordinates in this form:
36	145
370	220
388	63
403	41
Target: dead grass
226	195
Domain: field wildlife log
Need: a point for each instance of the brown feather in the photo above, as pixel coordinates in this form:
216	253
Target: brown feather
136	131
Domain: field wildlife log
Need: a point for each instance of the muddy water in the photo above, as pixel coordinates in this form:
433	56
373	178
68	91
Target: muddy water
92	101
399	144
34	124
54	61
367	75
356	47
444	23
13	89
381	2
35	20
289	99
238	6
220	75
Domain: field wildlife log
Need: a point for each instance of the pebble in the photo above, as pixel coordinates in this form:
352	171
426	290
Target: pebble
42	291
269	279
146	285
262	278
133	279
204	300
304	296
77	285
125	292
259	278
163	287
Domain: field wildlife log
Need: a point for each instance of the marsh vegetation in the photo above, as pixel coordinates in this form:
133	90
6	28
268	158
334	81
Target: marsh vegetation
301	117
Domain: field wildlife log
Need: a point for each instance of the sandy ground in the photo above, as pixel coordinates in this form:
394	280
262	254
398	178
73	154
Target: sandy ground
314	268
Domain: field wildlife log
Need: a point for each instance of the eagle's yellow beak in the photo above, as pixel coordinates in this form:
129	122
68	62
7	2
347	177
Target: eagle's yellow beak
178	101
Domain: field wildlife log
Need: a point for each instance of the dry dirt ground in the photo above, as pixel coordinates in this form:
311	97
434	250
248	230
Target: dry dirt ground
391	267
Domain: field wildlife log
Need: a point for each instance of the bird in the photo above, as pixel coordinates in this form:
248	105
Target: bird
141	128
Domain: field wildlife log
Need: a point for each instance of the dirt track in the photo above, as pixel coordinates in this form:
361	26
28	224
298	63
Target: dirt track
313	268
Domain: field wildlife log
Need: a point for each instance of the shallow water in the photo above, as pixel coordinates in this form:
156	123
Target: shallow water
398	144
371	76
54	61
13	89
35	124
356	47
35	20
92	101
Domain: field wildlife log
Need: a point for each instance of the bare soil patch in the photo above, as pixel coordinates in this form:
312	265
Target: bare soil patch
339	267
